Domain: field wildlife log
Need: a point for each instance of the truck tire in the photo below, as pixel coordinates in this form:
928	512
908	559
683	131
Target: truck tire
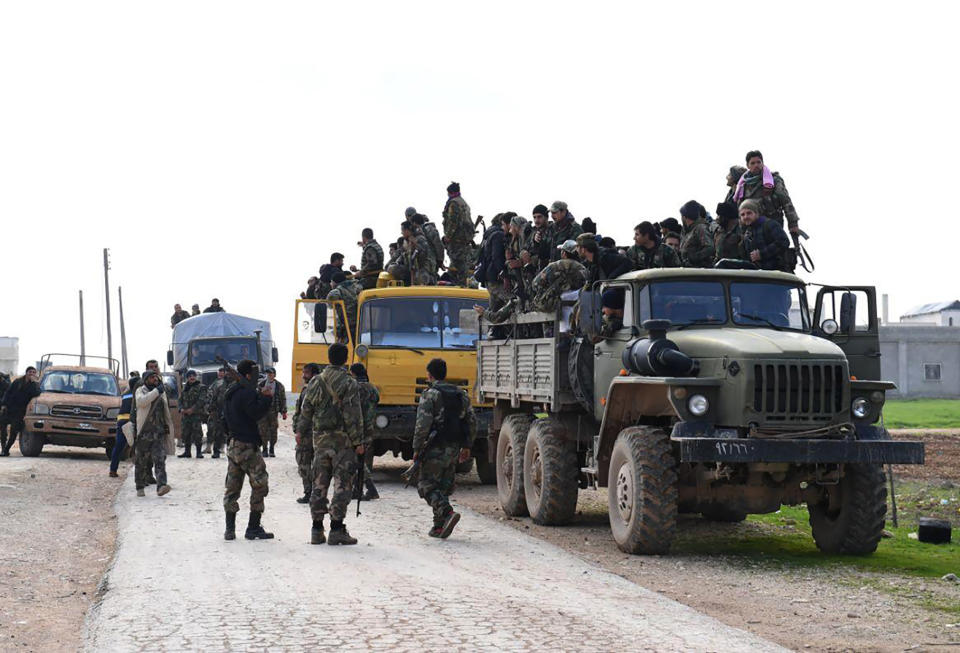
721	513
855	524
465	467
642	490
486	470
31	444
550	474
510	445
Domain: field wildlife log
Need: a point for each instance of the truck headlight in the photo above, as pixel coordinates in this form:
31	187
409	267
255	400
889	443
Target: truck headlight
860	408
382	421
41	409
113	413
698	405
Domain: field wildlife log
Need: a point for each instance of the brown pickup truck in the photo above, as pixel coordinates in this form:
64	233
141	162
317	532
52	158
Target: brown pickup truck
77	407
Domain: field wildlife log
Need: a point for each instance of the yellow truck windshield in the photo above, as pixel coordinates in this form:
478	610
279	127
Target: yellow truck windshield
419	322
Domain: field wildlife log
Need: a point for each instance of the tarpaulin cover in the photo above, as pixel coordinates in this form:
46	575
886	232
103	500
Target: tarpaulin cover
212	325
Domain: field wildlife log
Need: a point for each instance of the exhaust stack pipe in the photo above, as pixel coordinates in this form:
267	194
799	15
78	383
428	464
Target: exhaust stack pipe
656	355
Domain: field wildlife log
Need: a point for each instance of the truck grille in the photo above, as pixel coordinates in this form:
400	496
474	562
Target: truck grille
80	412
798	392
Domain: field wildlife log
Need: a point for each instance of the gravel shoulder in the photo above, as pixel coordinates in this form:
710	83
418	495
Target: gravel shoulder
57	534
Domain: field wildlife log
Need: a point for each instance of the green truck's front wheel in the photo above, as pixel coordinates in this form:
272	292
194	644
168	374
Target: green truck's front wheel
850	516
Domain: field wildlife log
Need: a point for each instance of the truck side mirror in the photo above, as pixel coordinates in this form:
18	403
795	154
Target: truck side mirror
591	317
320	317
848	312
170	357
276	355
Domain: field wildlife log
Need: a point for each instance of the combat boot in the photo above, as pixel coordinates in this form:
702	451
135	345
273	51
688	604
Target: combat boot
371	492
255	530
140	492
305	498
186	453
272	455
216	453
231	532
207	448
436	530
199	452
339	534
316	532
449	522
266	451
163	489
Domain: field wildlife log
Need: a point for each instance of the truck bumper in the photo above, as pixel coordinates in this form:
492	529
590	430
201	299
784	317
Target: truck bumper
873	446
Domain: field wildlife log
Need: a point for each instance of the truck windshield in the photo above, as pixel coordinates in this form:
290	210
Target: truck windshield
688	302
420	322
753	303
79	383
234	350
775	305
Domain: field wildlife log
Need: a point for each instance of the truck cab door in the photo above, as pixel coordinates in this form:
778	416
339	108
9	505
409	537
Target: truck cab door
853	309
608	354
318	322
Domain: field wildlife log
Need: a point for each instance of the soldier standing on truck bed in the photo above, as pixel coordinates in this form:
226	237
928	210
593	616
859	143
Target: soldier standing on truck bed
565	227
269	425
193	401
443	435
303	434
369	398
557	278
423	261
332	402
371	260
648	251
726	239
214	408
457	234
153	427
430	232
696	245
768	188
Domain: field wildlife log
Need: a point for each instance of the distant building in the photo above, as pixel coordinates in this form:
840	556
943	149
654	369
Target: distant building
9	355
938	314
923	359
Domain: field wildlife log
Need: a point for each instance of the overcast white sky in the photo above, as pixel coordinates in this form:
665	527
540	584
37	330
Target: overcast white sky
226	148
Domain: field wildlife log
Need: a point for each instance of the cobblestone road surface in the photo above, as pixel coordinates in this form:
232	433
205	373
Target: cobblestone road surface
175	584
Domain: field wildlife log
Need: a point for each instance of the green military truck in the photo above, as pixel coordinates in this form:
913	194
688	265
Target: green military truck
720	395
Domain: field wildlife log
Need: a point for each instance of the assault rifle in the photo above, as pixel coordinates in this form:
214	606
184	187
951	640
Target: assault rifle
803	256
412	473
231	372
360	461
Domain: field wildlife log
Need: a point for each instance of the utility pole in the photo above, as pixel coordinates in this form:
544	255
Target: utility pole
123	336
83	340
106	285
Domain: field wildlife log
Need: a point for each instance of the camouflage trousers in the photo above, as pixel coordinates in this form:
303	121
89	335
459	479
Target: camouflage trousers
149	456
268	429
437	476
215	434
191	430
244	459
424	277
334	461
461	259
304	456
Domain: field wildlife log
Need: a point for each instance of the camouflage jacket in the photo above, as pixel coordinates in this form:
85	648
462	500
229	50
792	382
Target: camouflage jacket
369	398
332	403
430	415
727	242
457	224
422	256
279	404
430	232
561	233
610	325
554	280
661	256
696	245
194	396
301	426
215	397
371	261
347	293
515	245
540	251
775	203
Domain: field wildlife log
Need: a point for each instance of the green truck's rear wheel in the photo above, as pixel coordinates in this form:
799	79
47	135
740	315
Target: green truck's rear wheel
550	474
510	446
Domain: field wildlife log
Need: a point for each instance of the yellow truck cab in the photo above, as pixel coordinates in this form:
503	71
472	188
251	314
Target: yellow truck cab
399	330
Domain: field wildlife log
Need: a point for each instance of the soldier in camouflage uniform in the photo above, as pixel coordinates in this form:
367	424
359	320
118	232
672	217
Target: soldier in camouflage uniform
733	176
770	191
541	241
303	433
565	227
369	398
557	278
763	241
520	241
726	239
193	400
423	261
430	232
457	234
346	291
153	425
648	251
696	244
268	424
371	261
442	436
332	402
215	430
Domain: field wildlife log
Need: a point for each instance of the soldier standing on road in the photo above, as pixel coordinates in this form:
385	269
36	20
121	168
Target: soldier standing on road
179	315
769	190
371	260
303	434
346	291
696	244
153	427
442	436
243	408
648	251
457	234
332	402
214	407
14	403
193	401
369	398
153	366
268	425
4	385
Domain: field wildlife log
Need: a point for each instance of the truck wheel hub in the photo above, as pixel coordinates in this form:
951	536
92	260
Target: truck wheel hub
508	465
624	493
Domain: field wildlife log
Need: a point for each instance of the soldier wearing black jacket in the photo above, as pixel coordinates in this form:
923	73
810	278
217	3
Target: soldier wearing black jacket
601	262
14	407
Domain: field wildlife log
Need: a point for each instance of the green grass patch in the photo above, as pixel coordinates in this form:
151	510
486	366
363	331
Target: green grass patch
922	414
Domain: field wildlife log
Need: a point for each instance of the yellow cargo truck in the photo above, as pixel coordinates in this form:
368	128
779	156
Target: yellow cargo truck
398	331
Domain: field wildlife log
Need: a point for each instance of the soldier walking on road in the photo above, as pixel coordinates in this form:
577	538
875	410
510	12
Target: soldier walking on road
332	402
244	405
303	434
14	407
457	234
369	398
153	428
214	407
193	402
442	436
269	425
